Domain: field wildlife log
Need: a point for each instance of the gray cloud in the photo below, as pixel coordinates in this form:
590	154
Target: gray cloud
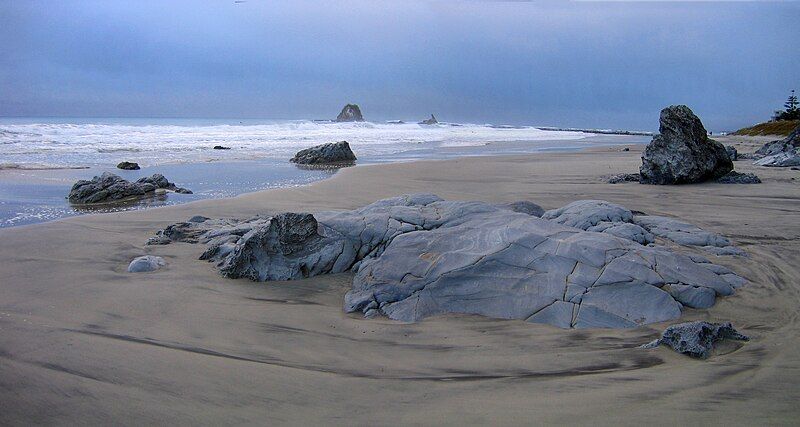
578	64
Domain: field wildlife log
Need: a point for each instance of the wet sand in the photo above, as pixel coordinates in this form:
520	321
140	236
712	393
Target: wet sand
82	341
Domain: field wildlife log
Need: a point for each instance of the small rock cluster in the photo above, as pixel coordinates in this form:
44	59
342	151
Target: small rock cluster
110	188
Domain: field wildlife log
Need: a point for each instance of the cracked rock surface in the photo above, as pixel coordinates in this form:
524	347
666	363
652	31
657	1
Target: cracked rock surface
696	339
417	255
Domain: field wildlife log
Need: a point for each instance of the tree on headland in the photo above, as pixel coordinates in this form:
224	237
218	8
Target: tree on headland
790	112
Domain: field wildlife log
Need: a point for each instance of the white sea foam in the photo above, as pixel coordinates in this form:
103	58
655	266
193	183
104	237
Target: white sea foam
82	144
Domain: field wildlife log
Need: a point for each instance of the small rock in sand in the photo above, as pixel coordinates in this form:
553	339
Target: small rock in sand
146	263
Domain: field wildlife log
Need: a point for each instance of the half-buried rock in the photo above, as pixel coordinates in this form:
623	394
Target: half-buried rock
146	263
696	339
335	153
682	153
417	256
110	188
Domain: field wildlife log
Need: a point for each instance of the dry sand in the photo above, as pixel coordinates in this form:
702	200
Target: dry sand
82	341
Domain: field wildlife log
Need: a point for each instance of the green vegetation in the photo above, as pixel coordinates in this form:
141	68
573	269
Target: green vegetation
783	121
790	111
780	127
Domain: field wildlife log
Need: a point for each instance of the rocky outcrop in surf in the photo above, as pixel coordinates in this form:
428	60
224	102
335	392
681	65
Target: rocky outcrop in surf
325	154
129	166
350	113
588	264
430	121
110	188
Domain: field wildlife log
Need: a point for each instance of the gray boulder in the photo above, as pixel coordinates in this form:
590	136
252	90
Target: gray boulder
588	213
696	339
146	263
524	206
624	230
325	154
682	153
129	166
431	121
780	153
680	232
791	157
734	177
790	143
350	113
417	256
624	177
732	153
106	188
110	188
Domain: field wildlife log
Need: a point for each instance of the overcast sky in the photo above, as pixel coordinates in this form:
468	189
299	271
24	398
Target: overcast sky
548	63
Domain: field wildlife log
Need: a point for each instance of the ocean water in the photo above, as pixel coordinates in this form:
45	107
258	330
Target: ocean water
40	158
33	143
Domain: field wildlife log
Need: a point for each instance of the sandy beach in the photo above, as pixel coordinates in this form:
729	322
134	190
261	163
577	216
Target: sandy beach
84	342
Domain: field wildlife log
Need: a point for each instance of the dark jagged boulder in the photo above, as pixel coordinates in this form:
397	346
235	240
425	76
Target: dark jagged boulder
128	166
350	113
110	188
431	121
781	153
696	339
331	153
682	153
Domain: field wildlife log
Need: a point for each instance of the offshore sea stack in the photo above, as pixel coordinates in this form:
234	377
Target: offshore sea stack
334	153
682	153
430	121
350	113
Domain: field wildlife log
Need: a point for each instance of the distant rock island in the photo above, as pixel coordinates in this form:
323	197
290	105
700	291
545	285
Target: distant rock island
431	121
350	113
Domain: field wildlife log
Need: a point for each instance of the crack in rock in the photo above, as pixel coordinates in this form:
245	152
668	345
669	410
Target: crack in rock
417	255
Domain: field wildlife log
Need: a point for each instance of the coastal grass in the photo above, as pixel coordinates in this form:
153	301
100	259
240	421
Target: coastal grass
778	127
